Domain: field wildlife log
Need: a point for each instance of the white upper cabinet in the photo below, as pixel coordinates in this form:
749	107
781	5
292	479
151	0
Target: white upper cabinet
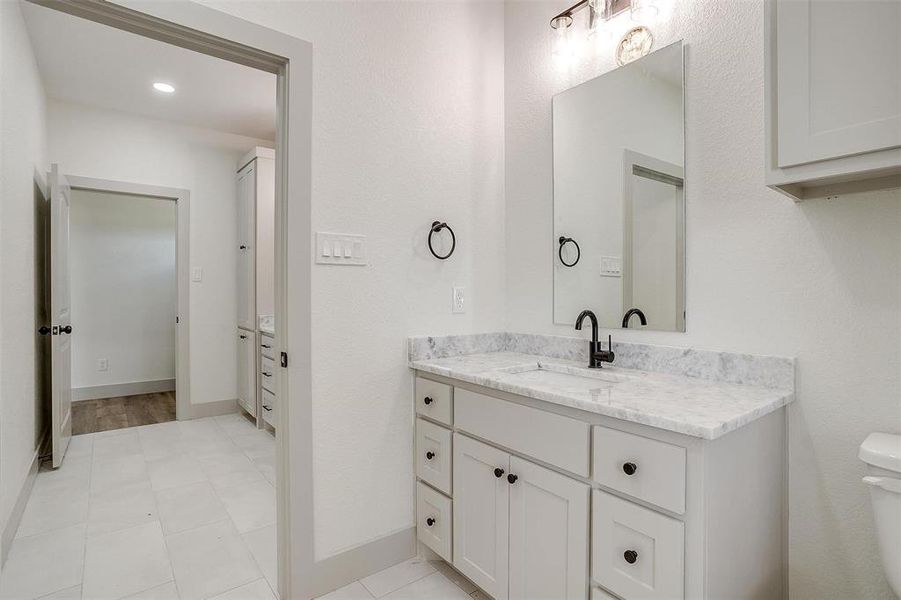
833	96
246	240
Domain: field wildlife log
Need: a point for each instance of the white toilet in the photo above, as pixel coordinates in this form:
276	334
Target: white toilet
882	453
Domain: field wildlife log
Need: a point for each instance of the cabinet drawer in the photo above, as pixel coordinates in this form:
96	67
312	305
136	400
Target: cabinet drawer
635	552
657	468
267	374
267	347
599	594
551	438
433	520
269	405
433	455
435	400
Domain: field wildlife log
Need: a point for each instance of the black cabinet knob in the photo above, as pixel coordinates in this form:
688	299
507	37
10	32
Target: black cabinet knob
430	455
512	478
430	521
631	556
427	399
629	468
498	472
242	247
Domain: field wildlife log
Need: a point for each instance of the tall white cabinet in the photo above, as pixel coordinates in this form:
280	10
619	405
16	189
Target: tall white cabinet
833	96
255	267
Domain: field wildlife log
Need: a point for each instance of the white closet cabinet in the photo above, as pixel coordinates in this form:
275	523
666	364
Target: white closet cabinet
520	530
833	96
247	372
246	239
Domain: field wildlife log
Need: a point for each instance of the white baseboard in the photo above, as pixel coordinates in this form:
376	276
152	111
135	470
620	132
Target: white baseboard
213	409
8	535
116	390
342	569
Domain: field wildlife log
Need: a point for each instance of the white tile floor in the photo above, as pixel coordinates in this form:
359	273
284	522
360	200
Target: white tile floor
181	510
174	511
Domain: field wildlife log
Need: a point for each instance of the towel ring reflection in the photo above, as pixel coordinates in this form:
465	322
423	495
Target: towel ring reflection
563	241
437	226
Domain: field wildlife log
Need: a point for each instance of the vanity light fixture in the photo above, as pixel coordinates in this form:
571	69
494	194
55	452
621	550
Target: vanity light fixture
644	11
166	88
599	12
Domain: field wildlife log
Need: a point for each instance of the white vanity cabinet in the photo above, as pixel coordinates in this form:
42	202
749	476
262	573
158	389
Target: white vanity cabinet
266	377
549	501
833	96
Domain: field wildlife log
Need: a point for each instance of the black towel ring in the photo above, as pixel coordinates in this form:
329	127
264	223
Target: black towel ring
436	227
563	241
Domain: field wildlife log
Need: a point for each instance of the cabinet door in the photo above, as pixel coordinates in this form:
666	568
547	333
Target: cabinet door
246	241
481	513
838	80
246	372
548	534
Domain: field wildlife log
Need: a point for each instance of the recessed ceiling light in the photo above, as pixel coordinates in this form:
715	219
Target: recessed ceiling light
163	87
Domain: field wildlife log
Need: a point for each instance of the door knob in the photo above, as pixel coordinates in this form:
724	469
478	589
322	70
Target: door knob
430	455
498	472
512	478
630	468
44	330
66	329
631	556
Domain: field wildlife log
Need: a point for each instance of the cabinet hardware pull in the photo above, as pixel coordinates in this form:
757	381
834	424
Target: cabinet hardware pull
498	472
430	521
427	400
430	455
631	556
242	336
265	374
266	407
265	345
242	247
512	478
630	468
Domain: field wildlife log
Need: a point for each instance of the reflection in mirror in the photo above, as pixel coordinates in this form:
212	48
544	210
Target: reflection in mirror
619	206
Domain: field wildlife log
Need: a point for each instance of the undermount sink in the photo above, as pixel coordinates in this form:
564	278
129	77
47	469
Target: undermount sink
557	375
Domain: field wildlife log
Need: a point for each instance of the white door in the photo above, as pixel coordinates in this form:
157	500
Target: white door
548	534
481	513
60	316
246	238
247	372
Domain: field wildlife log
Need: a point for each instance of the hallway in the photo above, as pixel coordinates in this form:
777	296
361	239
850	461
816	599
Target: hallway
179	509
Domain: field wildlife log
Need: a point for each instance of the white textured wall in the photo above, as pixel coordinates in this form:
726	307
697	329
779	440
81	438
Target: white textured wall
407	128
820	280
22	152
124	293
108	145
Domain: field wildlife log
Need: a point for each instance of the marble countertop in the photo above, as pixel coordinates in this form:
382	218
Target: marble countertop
688	405
266	325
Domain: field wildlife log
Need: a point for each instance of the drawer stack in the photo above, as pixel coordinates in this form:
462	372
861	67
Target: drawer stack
268	399
434	451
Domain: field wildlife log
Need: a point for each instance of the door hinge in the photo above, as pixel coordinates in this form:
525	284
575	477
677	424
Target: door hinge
284	359
176	319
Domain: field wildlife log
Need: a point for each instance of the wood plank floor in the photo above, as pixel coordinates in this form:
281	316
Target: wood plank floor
89	416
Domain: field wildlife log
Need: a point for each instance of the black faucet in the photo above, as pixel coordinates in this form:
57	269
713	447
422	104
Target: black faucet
596	356
630	313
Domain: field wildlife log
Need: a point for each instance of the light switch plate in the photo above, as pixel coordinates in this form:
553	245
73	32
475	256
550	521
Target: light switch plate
340	249
611	266
459	300
197	274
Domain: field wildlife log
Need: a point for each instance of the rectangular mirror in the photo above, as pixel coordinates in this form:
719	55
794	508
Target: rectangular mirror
619	202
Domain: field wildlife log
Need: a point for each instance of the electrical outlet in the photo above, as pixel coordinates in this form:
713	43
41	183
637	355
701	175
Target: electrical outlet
459	300
103	364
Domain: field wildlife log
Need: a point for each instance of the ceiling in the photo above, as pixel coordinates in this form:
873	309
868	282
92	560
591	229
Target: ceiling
87	63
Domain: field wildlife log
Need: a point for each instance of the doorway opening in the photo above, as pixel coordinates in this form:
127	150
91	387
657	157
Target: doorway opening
129	252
